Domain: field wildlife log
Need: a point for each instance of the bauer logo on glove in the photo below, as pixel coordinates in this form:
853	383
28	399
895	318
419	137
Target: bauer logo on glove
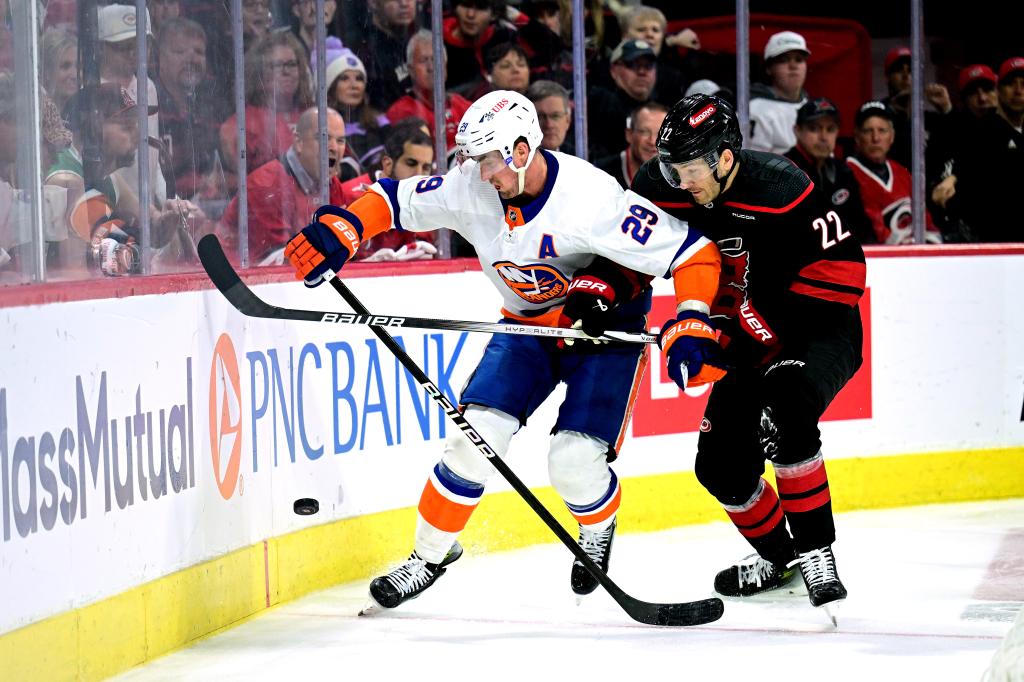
326	244
691	349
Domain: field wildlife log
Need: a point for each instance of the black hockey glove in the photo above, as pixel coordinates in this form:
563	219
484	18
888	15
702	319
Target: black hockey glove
593	295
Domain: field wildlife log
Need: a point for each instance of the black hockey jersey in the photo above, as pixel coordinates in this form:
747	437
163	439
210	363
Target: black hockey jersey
790	267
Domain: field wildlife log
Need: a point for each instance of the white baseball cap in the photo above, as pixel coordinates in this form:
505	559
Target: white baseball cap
117	23
783	42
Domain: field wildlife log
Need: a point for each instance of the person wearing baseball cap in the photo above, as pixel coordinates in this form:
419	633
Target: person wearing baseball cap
977	86
773	107
1011	92
634	72
118	61
817	129
885	184
981	193
897	70
899	78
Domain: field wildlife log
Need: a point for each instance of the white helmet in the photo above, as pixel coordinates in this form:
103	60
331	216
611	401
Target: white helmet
494	123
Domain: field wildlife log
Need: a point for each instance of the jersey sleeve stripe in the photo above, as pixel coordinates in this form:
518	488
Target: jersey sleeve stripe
845	273
815	291
686	250
390	188
767	209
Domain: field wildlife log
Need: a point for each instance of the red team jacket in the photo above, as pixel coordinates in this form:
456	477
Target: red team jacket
887	203
278	208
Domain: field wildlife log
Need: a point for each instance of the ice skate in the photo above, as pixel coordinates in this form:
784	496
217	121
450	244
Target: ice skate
753	575
824	588
407	581
598	546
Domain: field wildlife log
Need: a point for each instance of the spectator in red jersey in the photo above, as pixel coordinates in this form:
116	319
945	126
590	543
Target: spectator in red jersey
885	185
468	35
410	151
277	90
420	102
285	192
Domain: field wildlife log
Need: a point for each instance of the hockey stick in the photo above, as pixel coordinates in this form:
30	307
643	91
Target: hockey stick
248	303
684	613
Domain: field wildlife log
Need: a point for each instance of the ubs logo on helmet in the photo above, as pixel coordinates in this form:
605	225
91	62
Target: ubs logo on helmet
533	283
702	115
225	405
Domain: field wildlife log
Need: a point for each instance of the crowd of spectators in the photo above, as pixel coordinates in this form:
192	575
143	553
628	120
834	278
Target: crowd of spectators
379	91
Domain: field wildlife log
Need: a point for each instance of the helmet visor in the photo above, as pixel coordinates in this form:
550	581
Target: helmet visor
488	163
688	174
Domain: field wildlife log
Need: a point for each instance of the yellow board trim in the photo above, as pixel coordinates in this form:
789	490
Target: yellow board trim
102	639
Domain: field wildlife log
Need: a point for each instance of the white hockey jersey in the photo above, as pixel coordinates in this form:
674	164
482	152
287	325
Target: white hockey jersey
532	252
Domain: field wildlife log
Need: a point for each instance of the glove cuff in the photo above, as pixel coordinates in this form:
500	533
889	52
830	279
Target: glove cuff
591	284
689	323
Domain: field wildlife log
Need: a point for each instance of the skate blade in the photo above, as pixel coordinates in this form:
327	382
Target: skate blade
372	608
832	610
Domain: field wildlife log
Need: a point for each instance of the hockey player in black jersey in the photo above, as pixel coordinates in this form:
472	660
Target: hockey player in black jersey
790	339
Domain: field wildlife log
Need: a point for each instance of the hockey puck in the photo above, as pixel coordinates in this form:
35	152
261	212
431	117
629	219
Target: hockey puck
306	506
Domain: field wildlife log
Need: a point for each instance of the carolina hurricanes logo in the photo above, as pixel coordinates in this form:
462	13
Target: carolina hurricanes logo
705	425
533	283
840	196
700	116
732	282
897	217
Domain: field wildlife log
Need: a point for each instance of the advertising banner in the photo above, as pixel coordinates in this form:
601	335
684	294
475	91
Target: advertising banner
139	436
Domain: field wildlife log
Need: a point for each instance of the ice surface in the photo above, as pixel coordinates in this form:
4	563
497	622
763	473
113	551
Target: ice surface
933	590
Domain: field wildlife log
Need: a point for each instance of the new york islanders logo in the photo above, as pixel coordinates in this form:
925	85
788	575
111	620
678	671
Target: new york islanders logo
533	283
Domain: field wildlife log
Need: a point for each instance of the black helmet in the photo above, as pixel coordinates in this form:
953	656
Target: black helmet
696	126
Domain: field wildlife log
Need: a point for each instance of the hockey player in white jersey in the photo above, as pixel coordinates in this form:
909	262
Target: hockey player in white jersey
565	245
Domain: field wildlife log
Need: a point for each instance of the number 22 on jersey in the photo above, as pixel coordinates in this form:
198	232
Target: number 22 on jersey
827	239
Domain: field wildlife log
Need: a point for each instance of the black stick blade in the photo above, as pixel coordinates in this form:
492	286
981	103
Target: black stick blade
692	613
